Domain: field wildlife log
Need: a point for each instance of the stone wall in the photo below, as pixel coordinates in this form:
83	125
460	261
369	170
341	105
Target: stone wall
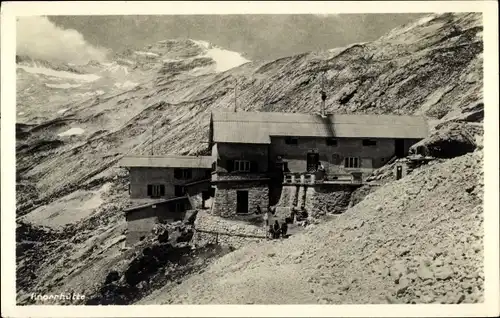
225	231
225	198
331	199
318	199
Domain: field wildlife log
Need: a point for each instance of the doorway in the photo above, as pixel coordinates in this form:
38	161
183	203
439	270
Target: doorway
312	162
399	146
241	201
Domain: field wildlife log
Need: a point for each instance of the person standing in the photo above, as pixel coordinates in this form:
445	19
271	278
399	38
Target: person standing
266	218
276	229
270	232
284	229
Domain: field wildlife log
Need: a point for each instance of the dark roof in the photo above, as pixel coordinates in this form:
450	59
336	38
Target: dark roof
197	182
258	127
203	162
162	201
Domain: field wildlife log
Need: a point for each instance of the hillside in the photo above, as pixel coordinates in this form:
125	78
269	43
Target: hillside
68	144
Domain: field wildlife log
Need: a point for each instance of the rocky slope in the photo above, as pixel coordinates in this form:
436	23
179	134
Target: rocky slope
68	145
416	240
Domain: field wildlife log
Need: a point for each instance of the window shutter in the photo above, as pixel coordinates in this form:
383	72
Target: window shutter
177	173
254	166
150	190
229	165
162	190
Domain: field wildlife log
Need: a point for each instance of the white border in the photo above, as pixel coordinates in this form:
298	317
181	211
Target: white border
10	10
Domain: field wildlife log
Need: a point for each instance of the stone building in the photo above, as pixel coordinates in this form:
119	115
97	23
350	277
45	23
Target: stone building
282	160
259	154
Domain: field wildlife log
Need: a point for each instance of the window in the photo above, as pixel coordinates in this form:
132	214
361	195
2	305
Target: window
156	190
179	191
291	140
180	207
369	142
242	165
331	142
351	162
182	174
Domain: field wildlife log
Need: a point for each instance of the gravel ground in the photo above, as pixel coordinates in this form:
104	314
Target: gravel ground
416	240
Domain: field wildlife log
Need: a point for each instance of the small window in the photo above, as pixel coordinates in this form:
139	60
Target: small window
369	142
242	165
351	162
156	190
182	174
179	191
180	207
331	141
291	140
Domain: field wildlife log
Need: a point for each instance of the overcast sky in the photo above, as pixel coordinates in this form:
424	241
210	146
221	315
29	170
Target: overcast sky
266	37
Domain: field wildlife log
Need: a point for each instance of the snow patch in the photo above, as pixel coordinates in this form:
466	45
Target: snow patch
72	132
203	44
20	113
115	68
129	62
59	74
90	94
62	111
65	85
411	26
424	20
127	84
146	53
225	60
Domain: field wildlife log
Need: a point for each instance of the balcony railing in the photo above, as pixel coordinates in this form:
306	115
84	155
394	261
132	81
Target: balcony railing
317	178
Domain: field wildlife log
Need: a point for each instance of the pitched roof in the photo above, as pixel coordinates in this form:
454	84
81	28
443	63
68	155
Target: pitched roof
258	127
204	162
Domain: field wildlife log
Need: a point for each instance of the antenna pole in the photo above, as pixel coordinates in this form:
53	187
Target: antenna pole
235	95
323	94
